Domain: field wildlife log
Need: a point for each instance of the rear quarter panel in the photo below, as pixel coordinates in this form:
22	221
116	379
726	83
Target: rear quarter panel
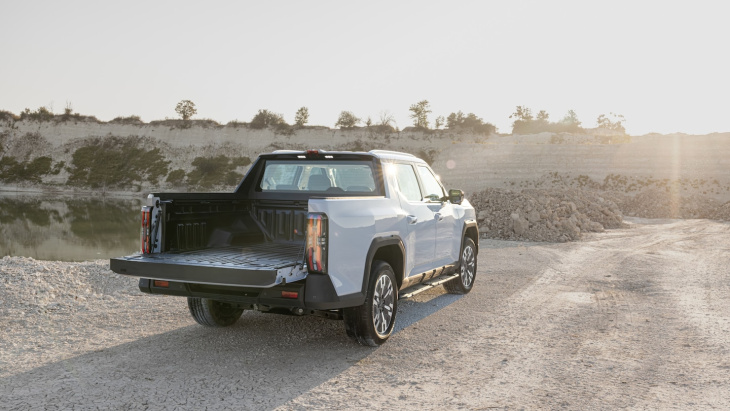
353	224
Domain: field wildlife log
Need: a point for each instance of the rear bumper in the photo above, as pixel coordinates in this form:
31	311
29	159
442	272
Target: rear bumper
253	274
316	292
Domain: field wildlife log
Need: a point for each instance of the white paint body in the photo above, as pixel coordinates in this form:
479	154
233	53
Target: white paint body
433	241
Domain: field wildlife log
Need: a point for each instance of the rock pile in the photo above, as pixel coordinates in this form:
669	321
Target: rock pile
542	215
665	203
564	214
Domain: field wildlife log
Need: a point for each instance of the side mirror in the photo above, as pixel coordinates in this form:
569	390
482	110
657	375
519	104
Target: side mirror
456	196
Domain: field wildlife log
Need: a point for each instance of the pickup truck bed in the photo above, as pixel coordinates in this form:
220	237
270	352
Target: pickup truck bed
254	265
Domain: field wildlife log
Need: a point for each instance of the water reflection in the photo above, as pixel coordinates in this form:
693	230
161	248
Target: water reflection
68	228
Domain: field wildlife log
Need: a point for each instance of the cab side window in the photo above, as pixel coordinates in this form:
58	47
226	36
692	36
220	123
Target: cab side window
433	189
407	182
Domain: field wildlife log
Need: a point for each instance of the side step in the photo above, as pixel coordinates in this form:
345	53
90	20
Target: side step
428	285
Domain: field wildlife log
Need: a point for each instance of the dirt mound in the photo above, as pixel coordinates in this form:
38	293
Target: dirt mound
661	203
564	214
542	215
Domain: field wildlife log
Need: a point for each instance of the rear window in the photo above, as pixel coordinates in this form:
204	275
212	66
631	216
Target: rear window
330	177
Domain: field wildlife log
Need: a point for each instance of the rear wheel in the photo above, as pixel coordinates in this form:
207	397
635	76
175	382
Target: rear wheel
372	323
213	313
467	270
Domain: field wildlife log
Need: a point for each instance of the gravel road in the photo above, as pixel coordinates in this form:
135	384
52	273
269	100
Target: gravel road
633	318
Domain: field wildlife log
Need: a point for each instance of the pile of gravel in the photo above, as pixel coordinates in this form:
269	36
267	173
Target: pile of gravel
35	286
559	215
543	215
666	203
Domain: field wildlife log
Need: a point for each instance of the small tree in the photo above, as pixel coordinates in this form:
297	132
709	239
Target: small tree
438	122
571	118
420	113
522	113
524	122
570	123
386	119
265	118
470	123
186	109
302	117
614	125
347	119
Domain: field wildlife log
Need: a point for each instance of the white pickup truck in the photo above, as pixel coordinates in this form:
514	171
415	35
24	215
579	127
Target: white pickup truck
342	235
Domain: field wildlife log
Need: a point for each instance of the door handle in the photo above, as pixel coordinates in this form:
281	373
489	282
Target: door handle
412	219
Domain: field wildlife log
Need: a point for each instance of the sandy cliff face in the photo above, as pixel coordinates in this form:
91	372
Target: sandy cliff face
695	164
658	176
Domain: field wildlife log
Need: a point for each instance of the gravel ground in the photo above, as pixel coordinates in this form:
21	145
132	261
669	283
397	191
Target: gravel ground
636	317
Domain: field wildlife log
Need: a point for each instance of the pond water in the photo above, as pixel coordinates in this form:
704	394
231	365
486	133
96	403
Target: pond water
68	228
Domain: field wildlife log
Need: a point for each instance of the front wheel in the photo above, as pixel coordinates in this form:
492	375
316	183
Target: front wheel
467	270
213	313
372	323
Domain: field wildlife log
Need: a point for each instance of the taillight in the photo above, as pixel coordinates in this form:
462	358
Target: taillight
290	294
316	250
146	237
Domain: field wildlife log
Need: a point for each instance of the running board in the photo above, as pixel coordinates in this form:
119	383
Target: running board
428	285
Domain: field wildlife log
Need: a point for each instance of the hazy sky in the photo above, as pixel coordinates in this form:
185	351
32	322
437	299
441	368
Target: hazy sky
664	65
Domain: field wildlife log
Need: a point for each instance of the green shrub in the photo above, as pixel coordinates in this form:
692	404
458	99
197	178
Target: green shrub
461	122
40	114
233	178
213	171
241	161
347	119
128	120
176	177
236	124
266	118
525	123
116	162
8	116
13	171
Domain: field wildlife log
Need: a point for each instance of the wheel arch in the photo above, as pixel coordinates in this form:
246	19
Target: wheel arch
389	249
470	230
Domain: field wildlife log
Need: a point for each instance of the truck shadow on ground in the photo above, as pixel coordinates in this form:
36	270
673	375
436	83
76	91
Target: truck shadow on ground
263	361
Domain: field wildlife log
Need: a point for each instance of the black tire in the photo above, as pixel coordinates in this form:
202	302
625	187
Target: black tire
372	323
467	270
213	313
